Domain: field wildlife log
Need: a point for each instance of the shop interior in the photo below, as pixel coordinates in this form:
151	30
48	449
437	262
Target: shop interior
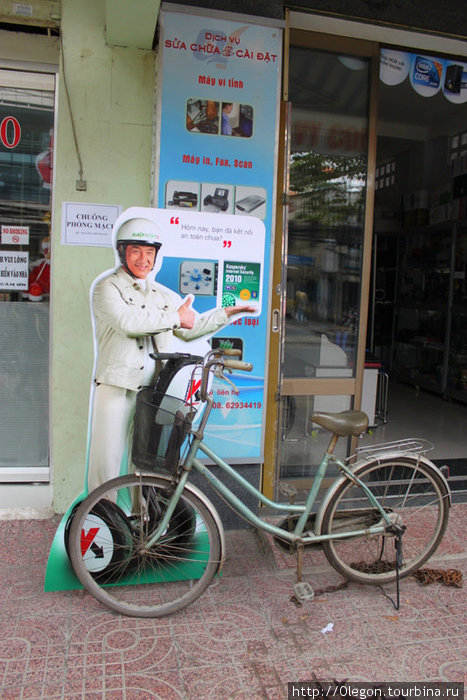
415	382
418	306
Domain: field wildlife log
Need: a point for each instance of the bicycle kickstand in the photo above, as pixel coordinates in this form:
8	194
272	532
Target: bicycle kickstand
398	548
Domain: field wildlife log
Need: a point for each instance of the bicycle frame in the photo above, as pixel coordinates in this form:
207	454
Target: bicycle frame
162	534
304	510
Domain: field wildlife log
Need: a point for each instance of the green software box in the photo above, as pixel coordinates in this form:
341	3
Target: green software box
240	283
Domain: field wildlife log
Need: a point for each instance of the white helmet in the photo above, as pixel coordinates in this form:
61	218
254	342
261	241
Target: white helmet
136	231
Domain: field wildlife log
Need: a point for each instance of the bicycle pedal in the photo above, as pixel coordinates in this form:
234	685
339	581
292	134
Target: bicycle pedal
303	591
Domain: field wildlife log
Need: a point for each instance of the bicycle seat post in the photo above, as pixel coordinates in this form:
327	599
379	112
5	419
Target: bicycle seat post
332	443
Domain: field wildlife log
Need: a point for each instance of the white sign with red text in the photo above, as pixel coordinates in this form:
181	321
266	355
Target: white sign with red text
15	235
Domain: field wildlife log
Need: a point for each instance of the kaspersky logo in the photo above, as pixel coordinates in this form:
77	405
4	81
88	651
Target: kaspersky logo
192	389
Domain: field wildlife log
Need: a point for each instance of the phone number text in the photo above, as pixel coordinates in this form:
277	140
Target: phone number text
238	404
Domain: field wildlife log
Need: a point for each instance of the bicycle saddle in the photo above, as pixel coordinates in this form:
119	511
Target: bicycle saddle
344	423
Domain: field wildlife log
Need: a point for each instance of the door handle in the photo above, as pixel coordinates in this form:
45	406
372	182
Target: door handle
275	320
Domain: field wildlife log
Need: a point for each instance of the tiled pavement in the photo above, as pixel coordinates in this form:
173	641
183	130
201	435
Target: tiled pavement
243	639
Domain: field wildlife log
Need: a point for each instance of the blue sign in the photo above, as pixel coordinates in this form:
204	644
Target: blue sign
216	154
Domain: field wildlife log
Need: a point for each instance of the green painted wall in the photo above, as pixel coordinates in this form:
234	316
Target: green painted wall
112	95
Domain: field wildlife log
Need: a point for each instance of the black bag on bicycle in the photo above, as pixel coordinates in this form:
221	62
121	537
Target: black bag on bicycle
161	421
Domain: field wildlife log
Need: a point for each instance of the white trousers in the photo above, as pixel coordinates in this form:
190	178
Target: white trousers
113	409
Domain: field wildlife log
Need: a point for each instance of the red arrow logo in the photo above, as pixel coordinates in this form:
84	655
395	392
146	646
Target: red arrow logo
87	539
195	385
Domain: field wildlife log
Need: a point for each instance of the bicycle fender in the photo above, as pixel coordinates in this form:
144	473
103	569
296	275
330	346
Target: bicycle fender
330	493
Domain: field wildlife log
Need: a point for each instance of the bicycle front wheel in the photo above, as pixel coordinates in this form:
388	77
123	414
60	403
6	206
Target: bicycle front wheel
412	493
109	550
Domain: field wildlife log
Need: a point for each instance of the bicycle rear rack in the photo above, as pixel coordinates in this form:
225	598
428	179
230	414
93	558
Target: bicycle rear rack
416	446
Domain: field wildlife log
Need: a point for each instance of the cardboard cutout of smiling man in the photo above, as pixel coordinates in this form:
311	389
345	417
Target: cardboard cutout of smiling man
135	316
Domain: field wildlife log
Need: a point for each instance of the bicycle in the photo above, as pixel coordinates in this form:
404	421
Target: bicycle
149	544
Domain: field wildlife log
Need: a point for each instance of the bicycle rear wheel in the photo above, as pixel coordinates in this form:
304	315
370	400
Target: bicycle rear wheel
108	552
414	495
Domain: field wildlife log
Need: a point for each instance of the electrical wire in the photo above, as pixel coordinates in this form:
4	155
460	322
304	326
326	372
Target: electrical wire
70	110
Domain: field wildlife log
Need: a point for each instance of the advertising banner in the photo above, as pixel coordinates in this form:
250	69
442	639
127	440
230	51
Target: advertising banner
428	75
216	154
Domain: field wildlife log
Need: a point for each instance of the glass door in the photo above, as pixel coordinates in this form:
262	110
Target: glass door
326	251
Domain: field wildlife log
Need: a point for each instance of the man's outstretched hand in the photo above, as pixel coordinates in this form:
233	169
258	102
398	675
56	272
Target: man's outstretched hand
187	315
233	310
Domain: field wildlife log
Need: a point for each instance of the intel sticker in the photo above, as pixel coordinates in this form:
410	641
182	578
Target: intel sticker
426	75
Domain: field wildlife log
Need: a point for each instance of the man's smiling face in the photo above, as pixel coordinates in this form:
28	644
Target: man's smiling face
140	260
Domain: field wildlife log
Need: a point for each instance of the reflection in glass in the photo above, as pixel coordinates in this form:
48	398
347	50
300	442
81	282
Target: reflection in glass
326	212
26	160
327	179
303	442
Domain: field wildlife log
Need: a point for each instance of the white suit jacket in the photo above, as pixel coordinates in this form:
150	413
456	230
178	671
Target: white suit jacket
125	314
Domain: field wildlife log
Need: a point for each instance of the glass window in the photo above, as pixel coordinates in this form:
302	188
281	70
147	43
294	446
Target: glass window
302	441
26	160
329	95
327	180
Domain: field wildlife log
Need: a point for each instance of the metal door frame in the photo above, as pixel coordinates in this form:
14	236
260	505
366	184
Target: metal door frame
277	385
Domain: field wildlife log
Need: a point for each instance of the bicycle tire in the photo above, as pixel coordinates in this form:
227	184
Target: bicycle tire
173	573
417	497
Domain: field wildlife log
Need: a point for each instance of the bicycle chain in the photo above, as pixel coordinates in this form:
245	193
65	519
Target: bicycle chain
450	577
331	589
377	567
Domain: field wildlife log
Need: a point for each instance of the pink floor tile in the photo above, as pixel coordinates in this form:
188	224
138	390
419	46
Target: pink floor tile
244	638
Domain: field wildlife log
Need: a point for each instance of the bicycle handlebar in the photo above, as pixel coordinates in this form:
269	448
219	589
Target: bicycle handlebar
218	361
238	364
233	352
